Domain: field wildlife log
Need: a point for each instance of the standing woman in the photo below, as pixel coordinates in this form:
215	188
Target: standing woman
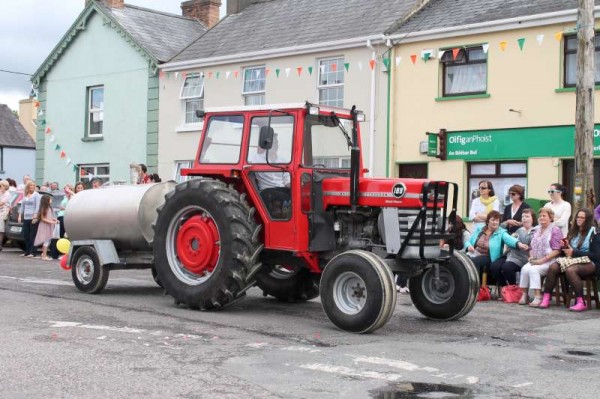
63	205
561	208
546	245
484	204
30	207
513	212
4	208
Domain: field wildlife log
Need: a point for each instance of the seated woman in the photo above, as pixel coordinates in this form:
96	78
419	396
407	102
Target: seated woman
577	245
461	234
505	269
546	244
486	244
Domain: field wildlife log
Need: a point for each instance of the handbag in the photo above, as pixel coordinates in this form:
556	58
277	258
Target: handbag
511	293
565	262
484	291
56	232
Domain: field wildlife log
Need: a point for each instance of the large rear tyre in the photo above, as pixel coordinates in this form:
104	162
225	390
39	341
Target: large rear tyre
205	244
87	273
451	296
358	293
288	283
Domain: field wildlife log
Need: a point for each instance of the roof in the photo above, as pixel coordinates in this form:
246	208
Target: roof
439	14
274	24
12	133
157	34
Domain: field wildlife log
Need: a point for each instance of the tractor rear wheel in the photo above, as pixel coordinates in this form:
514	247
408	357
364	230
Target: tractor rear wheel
288	283
450	296
205	244
358	293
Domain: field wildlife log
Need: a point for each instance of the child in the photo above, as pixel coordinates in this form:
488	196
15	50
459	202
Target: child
46	227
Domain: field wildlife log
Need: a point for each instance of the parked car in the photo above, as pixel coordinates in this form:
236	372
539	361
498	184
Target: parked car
14	229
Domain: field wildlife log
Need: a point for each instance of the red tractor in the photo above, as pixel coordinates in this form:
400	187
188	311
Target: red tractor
279	199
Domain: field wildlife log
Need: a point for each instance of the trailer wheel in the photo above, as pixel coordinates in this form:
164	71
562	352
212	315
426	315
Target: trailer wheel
288	283
87	273
358	293
453	295
205	244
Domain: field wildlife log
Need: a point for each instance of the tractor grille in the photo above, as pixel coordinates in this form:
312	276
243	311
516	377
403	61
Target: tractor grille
407	217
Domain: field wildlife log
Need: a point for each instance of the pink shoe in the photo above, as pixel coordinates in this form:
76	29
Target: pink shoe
579	305
545	301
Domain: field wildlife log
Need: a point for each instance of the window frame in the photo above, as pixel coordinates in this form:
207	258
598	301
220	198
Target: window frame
566	53
464	52
493	178
86	179
189	99
256	94
328	86
90	111
182	164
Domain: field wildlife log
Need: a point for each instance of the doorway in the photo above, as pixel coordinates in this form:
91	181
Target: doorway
569	178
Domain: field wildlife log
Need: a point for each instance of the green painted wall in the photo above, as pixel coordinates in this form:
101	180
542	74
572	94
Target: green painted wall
99	55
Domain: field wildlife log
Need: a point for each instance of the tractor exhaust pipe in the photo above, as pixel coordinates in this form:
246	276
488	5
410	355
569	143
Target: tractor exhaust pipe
354	160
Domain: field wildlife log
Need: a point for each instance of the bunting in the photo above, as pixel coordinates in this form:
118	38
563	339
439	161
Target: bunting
413	58
521	42
503	45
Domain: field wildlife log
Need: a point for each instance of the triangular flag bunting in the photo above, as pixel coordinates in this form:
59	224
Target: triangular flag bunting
455	52
485	47
451	77
386	62
57	147
48	130
521	42
52	138
426	56
333	67
63	154
75	167
184	75
68	161
503	45
441	54
227	74
287	72
277	70
257	73
299	71
267	71
540	39
360	65
41	113
36	104
43	121
218	74
310	69
398	60
322	68
558	36
176	75
210	74
413	58
347	66
161	74
236	73
372	64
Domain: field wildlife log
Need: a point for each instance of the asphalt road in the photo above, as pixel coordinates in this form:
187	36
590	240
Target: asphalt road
132	341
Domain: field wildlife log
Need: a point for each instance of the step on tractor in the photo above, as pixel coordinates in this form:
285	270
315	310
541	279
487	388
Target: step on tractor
277	197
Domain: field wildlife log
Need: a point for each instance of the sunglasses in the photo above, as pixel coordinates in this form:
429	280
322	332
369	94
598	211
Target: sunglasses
554	191
511	194
483	188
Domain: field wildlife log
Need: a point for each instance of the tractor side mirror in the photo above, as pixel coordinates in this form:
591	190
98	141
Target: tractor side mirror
265	139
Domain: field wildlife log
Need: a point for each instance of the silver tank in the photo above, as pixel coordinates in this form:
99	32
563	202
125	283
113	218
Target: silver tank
123	214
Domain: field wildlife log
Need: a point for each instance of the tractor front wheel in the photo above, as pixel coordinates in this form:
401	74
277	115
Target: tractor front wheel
358	293
448	293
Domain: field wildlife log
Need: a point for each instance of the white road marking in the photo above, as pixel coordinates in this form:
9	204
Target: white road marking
347	371
522	385
65	324
300	349
33	280
257	345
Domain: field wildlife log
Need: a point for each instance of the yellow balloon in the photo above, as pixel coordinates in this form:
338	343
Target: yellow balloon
63	245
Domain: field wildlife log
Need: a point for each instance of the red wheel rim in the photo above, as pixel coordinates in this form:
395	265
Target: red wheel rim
198	244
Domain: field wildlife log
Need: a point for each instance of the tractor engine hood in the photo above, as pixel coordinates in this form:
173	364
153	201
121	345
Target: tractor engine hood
373	192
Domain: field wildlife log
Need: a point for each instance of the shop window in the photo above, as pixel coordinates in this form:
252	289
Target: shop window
464	72
570	59
331	82
501	174
253	89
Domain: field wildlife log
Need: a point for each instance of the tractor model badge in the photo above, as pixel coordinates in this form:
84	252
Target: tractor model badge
399	190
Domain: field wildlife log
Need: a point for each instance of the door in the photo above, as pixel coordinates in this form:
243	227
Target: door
569	178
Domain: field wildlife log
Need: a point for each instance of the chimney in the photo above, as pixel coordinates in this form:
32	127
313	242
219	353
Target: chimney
109	3
206	11
237	6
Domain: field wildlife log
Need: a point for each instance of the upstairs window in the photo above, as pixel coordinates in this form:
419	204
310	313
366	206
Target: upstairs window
331	82
253	89
95	120
570	58
466	74
192	97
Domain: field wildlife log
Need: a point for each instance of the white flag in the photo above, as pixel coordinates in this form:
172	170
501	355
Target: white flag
540	39
227	74
486	47
360	65
287	72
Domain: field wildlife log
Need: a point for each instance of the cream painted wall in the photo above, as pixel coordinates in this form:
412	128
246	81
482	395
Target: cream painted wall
177	143
522	80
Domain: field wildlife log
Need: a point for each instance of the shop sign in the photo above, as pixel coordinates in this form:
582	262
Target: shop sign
553	141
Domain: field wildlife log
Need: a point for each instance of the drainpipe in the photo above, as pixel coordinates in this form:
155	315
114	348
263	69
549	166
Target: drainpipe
372	114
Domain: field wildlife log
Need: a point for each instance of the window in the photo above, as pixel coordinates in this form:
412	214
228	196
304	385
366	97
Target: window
181	165
466	74
223	140
325	144
95	121
192	96
94	171
570	58
333	162
501	174
1	160
281	151
254	86
331	82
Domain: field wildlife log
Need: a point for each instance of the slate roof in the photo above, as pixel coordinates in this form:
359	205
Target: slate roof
449	13
162	34
12	133
273	24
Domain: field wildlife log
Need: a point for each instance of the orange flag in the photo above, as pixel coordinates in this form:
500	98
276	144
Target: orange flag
372	64
236	73
267	72
334	67
299	71
413	58
558	36
455	52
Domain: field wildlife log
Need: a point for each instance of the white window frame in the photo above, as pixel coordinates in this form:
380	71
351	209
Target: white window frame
333	162
189	95
339	61
92	112
251	95
182	165
95	166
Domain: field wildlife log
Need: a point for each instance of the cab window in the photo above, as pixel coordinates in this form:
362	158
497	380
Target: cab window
223	140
